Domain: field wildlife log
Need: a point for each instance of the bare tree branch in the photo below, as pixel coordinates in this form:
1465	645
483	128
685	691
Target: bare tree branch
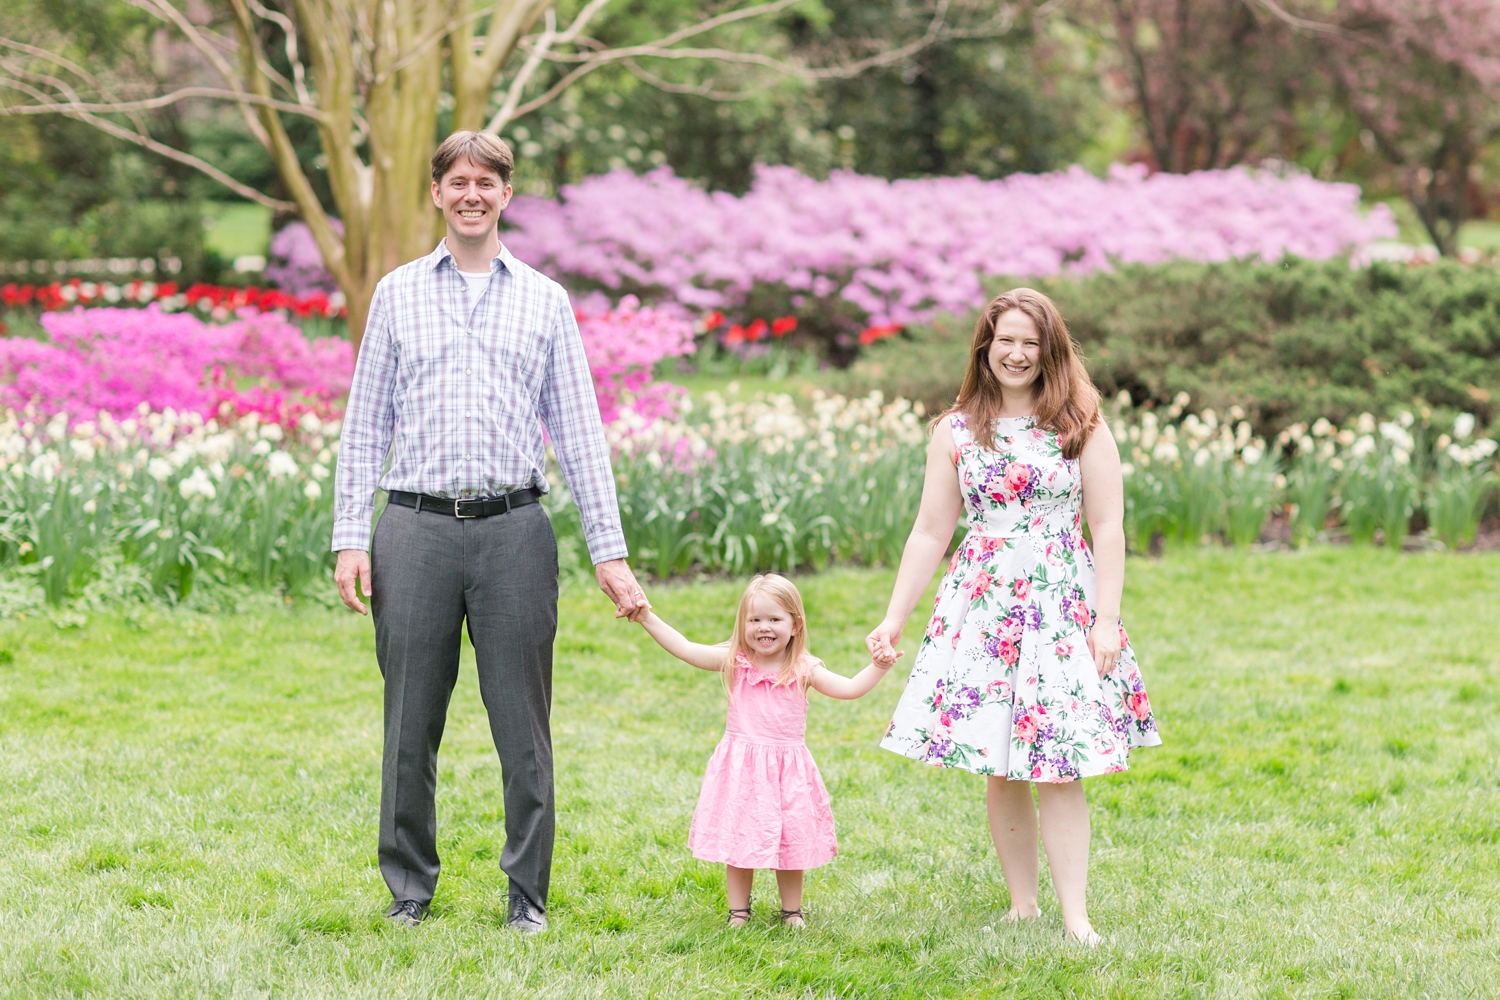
538	53
148	104
165	10
698	90
1301	24
937	30
171	153
288	29
77	70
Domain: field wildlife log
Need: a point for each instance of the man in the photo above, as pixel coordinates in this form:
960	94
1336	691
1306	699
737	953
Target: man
467	354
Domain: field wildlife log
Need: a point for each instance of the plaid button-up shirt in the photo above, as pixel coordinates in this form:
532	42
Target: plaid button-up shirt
459	395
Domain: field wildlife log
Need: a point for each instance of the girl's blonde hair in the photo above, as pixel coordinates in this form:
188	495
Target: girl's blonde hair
781	590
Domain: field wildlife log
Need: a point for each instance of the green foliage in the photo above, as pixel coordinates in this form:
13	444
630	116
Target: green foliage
1290	341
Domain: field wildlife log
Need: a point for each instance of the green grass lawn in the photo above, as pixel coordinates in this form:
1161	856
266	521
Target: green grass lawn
237	228
189	808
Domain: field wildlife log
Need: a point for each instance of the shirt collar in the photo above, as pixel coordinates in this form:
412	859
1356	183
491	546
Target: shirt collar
502	260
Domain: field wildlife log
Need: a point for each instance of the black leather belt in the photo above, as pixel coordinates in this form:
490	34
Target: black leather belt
464	509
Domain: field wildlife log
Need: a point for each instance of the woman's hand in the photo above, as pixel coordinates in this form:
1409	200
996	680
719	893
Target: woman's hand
1104	644
882	642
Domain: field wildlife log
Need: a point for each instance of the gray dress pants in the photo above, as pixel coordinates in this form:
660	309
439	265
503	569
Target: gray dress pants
431	571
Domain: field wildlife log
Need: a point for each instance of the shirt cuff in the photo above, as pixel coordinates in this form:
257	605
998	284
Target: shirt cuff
351	534
607	546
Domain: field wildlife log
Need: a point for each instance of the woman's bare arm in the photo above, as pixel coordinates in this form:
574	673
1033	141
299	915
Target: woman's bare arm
693	653
825	681
942	505
1104	507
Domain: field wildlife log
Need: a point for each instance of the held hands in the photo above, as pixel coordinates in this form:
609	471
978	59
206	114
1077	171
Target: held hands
882	644
616	580
1104	645
353	567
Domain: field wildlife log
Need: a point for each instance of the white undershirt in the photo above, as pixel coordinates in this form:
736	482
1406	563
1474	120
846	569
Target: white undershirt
476	283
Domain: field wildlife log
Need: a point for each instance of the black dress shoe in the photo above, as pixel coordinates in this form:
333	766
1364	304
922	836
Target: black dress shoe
406	912
525	916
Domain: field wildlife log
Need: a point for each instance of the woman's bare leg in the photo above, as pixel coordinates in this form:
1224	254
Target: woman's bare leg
1065	835
739	881
789	884
1013	828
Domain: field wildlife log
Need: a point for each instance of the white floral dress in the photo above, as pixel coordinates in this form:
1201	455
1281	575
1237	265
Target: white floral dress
1003	682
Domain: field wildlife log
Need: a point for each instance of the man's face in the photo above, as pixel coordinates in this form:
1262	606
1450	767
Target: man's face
472	198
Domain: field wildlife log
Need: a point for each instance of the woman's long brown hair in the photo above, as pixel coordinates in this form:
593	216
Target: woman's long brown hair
1066	401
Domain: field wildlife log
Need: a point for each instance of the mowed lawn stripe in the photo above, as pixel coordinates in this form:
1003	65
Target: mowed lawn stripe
188	808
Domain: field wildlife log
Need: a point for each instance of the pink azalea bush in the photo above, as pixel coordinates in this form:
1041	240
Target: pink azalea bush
623	346
901	251
116	359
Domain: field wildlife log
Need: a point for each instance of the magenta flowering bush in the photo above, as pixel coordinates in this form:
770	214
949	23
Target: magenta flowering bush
902	251
623	345
295	263
116	359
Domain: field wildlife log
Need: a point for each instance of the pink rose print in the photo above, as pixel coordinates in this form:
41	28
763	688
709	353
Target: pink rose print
1114	768
1009	652
945	721
1063	650
935	628
1017	477
990	544
953	563
997	689
1021	588
1026	728
1081	614
1140	705
980	586
1124	639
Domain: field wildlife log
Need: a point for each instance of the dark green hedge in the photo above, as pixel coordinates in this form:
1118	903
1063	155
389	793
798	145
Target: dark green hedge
1288	341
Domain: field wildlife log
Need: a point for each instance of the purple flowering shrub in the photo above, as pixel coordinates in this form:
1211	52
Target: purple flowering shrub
295	264
898	252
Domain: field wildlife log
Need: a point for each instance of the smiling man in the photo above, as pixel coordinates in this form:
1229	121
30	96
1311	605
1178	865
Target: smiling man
468	354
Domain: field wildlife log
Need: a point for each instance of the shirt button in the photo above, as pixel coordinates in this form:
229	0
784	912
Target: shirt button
466	458
468	371
467	413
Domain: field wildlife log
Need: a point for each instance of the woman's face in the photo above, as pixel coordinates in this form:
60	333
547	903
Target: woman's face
1016	352
769	626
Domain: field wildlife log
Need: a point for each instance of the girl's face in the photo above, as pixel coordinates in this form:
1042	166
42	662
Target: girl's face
768	627
1016	353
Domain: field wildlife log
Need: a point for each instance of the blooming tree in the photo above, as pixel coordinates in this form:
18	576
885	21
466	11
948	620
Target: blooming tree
1424	78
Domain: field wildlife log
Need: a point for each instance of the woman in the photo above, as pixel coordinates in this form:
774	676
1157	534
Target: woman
1025	673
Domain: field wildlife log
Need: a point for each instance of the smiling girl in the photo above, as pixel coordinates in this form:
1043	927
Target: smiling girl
763	804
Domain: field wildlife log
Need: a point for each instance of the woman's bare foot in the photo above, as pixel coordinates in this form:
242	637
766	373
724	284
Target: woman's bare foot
1020	913
1086	936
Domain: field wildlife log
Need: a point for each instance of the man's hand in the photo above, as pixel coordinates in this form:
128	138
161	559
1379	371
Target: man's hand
354	566
616	580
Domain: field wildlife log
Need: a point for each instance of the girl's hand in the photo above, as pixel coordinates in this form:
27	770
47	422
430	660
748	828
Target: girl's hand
1104	644
882	642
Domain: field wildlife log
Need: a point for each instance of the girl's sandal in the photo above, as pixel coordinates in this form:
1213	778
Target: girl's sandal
792	918
742	914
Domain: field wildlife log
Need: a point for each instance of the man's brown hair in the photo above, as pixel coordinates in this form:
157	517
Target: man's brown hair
485	148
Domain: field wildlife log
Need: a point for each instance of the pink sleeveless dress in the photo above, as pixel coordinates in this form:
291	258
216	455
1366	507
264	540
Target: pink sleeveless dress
763	803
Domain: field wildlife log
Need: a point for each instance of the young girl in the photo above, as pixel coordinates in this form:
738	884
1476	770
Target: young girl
763	803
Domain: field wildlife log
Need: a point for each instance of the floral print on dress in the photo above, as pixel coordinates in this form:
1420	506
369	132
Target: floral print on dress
1003	682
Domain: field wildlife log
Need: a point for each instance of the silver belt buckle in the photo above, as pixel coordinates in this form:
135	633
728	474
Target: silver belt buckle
458	510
